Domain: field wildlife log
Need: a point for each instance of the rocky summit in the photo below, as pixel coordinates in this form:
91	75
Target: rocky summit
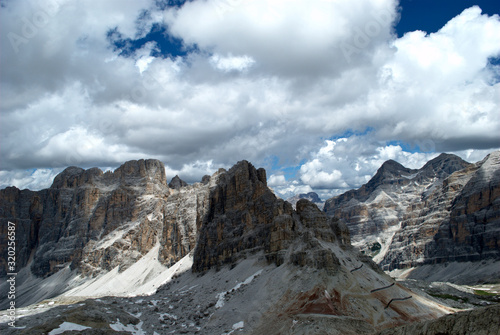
447	212
222	256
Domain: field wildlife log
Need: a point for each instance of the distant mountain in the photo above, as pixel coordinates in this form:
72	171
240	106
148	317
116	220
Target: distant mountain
447	211
311	196
222	256
177	183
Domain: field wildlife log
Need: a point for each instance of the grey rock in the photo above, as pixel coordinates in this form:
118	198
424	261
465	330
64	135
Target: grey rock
446	211
256	260
480	321
177	183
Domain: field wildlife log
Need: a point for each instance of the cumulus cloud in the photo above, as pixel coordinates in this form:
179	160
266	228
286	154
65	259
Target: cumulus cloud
256	79
31	179
349	162
230	63
276	180
191	172
290	38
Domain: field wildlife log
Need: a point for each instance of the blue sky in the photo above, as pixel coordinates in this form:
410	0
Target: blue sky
320	92
430	16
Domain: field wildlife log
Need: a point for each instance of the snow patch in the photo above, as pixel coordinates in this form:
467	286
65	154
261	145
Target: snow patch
239	325
236	326
67	326
411	176
134	329
142	278
221	297
115	235
386	242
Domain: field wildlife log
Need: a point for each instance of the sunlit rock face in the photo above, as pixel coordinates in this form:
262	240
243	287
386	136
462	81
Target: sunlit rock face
96	221
228	241
446	211
246	217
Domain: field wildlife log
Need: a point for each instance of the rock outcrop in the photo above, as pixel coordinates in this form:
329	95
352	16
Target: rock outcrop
177	183
62	224
449	210
483	320
94	221
285	271
246	217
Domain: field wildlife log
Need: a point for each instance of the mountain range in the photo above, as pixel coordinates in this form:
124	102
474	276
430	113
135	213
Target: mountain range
226	255
423	220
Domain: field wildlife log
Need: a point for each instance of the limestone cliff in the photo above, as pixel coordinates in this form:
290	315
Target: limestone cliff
97	221
246	217
446	211
301	273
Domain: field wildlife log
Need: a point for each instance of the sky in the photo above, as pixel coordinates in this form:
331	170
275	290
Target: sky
319	92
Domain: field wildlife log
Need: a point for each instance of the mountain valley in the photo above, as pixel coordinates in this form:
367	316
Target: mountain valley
125	252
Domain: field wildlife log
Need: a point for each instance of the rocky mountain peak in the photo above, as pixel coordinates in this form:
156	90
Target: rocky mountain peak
177	183
73	177
152	169
245	217
138	235
388	173
444	165
305	205
245	168
445	211
391	168
241	208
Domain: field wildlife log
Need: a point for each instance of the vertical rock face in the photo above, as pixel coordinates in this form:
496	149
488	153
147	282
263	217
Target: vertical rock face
97	221
446	211
246	217
473	230
242	211
106	221
27	209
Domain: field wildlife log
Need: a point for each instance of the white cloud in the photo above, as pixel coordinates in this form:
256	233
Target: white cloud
347	163
144	57
254	87
276	180
285	37
192	172
230	62
28	179
290	189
